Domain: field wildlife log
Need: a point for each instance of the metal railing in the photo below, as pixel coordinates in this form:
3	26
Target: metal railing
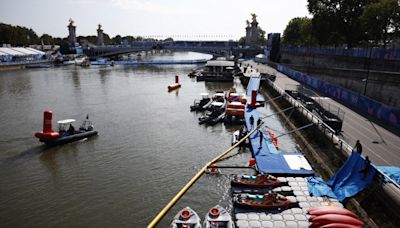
327	130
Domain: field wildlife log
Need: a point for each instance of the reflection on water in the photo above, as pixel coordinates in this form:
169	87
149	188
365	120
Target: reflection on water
149	146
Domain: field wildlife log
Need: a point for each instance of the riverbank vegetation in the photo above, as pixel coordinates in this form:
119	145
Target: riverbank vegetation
345	23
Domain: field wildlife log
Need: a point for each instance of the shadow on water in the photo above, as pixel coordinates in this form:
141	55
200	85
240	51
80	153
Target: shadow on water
27	153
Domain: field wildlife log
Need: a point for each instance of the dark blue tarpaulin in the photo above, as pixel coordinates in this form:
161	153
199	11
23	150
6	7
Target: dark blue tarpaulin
350	179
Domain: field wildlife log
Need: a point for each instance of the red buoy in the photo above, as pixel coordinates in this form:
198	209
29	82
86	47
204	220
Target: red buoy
253	99
175	85
47	133
252	162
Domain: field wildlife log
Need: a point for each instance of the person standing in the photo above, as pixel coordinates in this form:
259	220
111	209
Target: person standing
367	166
261	138
251	119
358	147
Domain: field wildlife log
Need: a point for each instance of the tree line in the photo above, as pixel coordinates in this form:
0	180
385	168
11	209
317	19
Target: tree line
22	36
350	23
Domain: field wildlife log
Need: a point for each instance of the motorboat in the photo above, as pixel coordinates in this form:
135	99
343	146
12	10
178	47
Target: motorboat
214	114
186	218
66	132
82	61
200	105
234	112
218	217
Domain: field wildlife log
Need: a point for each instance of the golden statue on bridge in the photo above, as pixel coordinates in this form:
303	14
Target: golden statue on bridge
253	17
71	22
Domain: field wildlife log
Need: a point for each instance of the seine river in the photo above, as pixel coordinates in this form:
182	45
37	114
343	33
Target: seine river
149	145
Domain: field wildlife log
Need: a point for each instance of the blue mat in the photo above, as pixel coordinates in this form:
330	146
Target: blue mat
392	171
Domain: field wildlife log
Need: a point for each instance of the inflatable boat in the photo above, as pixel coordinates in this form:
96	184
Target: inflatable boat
66	132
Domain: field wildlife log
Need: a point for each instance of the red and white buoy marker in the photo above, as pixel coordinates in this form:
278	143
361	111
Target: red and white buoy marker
174	86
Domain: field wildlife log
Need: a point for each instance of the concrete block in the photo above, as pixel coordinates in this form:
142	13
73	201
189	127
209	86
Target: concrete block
315	204
253	216
265	217
286	188
302	184
276	217
301	199
306	193
304	205
279	224
285	212
290	179
267	224
300	217
320	199
255	224
297	211
291	224
288	217
293	183
304	188
296	188
277	189
242	223
298	193
312	199
303	224
241	216
292	198
282	179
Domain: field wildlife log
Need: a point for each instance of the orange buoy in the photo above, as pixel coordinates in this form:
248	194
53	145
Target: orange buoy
175	85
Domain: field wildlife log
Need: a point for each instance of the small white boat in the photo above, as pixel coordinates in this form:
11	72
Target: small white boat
186	218
218	217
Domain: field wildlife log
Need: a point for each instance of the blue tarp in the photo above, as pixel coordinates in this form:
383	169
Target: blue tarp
317	187
392	171
349	180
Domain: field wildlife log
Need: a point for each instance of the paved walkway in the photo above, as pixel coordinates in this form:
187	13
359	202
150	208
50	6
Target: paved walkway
381	145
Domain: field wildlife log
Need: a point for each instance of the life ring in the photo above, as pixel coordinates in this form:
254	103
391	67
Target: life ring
214	212
185	215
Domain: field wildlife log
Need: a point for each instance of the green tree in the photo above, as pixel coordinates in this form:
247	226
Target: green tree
381	21
47	39
298	32
261	36
242	40
342	17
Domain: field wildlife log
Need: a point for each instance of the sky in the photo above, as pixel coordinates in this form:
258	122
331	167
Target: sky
180	19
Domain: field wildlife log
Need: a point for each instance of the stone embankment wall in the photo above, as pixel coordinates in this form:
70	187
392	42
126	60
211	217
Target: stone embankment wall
383	82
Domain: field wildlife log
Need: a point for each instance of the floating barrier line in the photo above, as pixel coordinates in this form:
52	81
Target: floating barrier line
179	195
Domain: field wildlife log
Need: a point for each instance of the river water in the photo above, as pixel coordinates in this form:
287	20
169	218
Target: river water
149	145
